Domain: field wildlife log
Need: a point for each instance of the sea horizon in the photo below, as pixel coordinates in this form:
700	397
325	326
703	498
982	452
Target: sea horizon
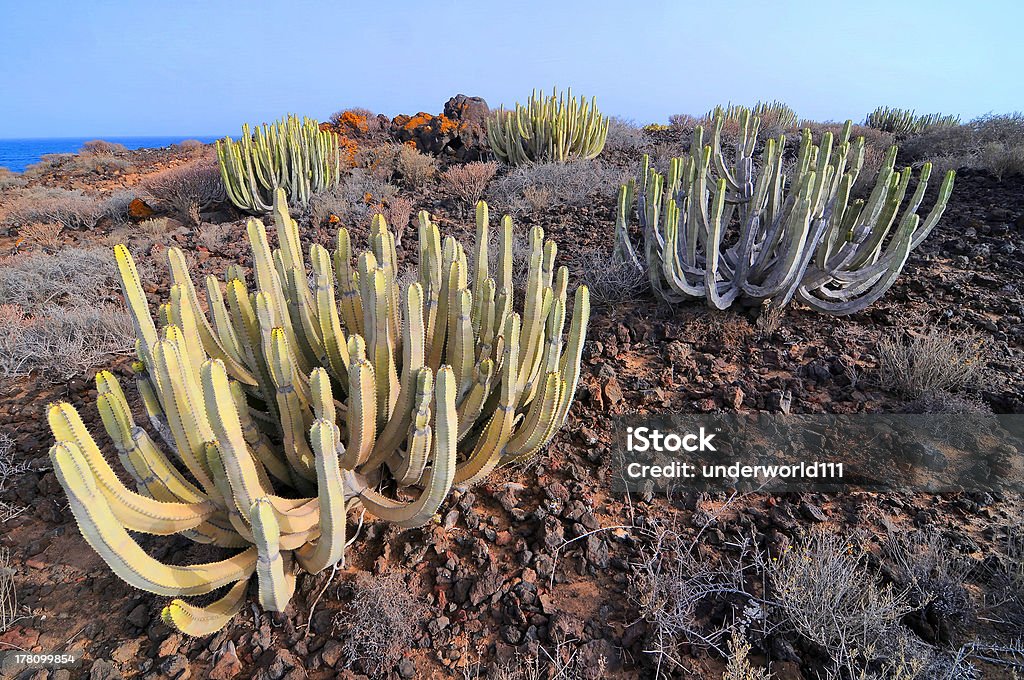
17	153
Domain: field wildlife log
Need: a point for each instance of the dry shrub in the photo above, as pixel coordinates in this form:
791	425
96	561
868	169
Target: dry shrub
49	162
380	161
99	164
564	662
12	362
188	188
396	213
9	469
929	569
993	142
71	208
352	201
190	144
537	187
46	235
379	624
10	179
62	342
99	146
415	168
214	237
683	122
1006	603
8	595
468	182
612	282
738	666
538	197
71	276
825	593
931	361
676	586
624	135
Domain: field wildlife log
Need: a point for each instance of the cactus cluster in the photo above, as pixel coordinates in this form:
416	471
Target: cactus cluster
291	154
800	236
902	122
556	128
313	390
773	114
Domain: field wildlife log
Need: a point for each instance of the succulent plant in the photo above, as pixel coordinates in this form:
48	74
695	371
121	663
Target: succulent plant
556	128
771	114
902	122
801	238
290	154
290	406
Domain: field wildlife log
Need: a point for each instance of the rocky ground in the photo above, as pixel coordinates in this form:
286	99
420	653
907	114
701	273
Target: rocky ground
543	557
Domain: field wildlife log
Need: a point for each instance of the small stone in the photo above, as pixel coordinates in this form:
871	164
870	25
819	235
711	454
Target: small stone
613	391
139	616
176	667
227	665
104	670
407	669
331	653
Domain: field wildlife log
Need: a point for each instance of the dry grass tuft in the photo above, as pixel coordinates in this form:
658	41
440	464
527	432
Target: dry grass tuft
612	282
70	276
378	625
932	361
62	342
8	594
45	235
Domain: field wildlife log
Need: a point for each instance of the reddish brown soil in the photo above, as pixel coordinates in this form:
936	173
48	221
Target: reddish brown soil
500	571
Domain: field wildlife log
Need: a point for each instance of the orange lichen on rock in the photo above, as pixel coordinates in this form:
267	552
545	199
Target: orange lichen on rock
139	209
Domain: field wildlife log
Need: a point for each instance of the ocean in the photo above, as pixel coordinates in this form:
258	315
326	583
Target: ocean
16	154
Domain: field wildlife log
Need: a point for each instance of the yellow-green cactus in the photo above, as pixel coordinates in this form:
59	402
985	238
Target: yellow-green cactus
556	128
804	238
292	154
367	386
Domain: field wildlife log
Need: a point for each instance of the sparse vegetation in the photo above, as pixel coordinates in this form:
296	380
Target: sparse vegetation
353	201
188	188
99	146
993	142
612	282
931	360
8	594
624	135
468	182
62	342
547	185
824	591
73	275
378	624
415	168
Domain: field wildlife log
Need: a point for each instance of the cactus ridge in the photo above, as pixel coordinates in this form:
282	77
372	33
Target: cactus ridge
797	237
293	403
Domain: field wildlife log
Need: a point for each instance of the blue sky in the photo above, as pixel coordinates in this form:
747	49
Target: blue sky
202	68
